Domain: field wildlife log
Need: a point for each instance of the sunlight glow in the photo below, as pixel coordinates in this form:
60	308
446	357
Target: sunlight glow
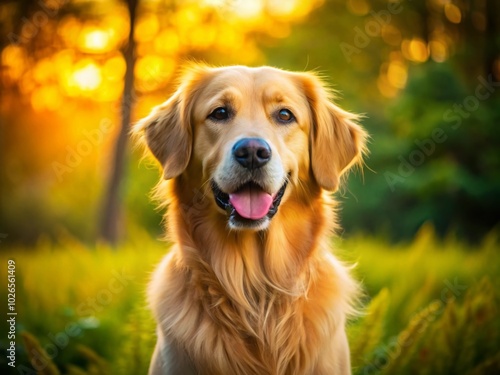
216	3
94	40
109	91
114	68
147	27
202	37
152	71
69	30
282	7
88	63
167	42
247	9
88	77
46	98
43	71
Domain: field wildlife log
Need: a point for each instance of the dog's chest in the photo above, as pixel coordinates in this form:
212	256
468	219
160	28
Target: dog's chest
272	337
243	331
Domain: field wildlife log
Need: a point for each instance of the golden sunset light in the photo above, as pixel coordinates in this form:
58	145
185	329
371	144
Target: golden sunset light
87	75
95	40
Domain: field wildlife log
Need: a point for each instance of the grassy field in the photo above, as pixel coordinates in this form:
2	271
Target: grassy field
431	307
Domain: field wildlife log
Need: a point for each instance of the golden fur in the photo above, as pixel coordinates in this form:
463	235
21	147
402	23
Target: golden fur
269	300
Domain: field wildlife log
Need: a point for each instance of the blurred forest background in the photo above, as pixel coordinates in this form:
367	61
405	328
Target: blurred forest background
418	70
424	73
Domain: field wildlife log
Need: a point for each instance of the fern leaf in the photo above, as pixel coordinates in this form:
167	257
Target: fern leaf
408	340
97	365
38	357
371	329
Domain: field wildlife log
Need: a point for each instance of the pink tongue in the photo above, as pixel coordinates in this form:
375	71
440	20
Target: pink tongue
251	202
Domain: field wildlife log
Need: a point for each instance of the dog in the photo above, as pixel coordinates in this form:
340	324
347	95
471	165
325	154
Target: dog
250	158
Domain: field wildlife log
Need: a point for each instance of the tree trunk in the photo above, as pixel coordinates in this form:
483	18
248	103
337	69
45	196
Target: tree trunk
491	36
111	208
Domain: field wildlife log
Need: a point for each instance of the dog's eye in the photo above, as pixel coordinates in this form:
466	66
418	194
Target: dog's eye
285	116
219	114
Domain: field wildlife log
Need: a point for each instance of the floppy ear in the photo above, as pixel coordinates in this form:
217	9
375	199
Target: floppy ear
337	142
167	133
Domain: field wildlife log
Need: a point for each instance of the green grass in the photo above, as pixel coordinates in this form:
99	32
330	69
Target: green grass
431	307
435	309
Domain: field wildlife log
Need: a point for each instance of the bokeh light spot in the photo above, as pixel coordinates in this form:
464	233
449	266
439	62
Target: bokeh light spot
95	40
147	27
397	74
452	13
114	68
358	7
415	50
439	51
87	76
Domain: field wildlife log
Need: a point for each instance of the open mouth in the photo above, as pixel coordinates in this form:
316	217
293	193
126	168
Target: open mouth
249	203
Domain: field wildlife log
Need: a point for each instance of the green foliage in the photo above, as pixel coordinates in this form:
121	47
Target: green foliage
70	296
431	160
42	362
366	336
455	185
446	337
431	307
139	339
36	354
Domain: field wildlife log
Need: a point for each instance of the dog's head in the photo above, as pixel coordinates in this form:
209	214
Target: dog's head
250	137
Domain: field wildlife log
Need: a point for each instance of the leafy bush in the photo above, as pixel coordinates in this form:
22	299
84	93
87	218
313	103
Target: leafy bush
434	157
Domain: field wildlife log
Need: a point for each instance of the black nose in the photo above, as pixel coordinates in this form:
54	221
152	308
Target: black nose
252	153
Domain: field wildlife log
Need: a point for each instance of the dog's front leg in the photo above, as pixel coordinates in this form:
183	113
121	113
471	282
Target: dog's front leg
344	362
335	359
169	359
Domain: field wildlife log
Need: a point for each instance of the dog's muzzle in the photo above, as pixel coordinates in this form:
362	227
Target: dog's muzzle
249	204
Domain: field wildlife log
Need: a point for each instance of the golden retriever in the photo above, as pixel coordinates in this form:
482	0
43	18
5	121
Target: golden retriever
250	285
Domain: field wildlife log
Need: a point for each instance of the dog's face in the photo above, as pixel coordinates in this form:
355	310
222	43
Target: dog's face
252	138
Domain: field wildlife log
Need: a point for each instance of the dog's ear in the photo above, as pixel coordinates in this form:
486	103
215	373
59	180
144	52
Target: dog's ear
167	131
337	142
167	134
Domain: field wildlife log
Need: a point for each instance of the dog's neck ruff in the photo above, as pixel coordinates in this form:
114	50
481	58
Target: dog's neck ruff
279	252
